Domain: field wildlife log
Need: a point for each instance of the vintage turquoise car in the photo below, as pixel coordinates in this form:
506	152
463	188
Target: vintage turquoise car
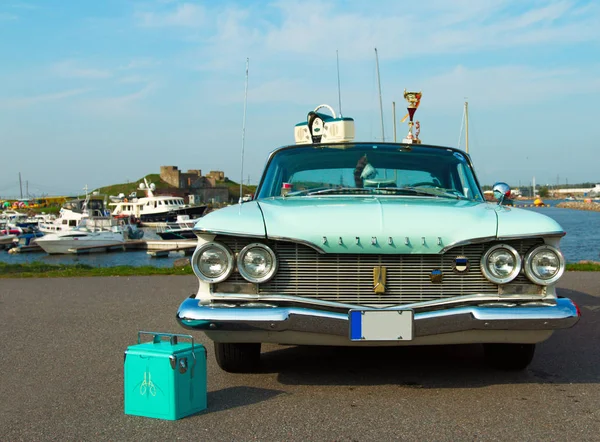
371	244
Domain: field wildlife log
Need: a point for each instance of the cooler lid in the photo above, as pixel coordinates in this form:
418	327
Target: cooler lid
163	348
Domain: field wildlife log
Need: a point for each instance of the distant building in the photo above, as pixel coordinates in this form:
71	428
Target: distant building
216	174
580	191
176	178
198	188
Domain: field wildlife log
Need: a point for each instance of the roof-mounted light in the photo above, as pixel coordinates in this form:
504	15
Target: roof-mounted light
323	128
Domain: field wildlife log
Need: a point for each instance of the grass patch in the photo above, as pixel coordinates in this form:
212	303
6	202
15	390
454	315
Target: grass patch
127	188
42	270
584	267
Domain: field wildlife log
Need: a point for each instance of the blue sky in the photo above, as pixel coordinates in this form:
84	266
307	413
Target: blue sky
102	92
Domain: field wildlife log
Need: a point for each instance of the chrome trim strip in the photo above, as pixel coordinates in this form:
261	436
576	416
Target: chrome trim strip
476	298
558	233
192	315
467	242
200	231
297	241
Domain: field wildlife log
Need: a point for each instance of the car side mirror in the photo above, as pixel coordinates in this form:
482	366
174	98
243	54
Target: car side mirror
501	192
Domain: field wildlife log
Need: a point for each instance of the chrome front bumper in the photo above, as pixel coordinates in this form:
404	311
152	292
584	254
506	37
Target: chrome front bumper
193	315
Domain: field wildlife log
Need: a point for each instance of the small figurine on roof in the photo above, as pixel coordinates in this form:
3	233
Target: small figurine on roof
414	100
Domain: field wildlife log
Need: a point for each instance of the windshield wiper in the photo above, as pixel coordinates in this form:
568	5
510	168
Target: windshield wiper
433	191
326	190
436	192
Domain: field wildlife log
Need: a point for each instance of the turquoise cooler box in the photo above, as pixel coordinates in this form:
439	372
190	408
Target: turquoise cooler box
164	378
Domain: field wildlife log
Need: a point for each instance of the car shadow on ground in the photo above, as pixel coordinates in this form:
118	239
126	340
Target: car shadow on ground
569	356
240	396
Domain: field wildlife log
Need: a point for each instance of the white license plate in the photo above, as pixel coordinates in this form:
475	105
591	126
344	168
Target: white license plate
381	325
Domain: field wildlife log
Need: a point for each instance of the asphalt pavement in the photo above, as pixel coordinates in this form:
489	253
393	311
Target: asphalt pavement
61	376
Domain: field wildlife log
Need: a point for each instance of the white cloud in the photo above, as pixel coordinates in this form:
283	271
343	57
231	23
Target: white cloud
119	104
21	5
183	15
70	69
20	102
286	29
132	79
5	16
511	85
400	33
140	63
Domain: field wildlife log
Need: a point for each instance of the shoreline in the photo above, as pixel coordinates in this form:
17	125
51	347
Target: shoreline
579	205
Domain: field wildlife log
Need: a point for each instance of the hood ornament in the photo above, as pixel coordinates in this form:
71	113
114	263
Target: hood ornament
379	279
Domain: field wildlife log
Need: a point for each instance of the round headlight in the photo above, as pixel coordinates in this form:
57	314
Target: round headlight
257	263
544	265
212	262
501	264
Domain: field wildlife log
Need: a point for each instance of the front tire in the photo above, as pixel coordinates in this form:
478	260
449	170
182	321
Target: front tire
238	358
508	356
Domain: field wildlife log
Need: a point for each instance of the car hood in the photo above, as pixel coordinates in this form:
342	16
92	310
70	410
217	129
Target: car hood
239	220
378	225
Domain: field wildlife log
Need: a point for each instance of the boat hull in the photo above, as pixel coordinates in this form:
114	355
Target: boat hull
61	246
171	216
178	234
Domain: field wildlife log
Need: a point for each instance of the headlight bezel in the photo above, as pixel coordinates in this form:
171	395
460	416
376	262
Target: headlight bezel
198	253
515	272
527	265
243	272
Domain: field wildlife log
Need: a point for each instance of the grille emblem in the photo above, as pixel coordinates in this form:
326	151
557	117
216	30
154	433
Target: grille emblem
379	279
436	276
461	264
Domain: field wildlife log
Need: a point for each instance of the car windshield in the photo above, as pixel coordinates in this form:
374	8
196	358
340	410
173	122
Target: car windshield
363	169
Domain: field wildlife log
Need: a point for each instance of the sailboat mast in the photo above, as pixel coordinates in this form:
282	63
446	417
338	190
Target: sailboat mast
467	126
394	118
380	101
337	58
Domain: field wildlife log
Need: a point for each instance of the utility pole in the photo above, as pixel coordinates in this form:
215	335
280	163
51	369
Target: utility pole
27	188
20	185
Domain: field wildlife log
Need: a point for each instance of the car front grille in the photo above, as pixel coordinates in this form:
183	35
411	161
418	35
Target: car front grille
348	278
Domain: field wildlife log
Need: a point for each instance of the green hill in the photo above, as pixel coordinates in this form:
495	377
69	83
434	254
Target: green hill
234	189
127	188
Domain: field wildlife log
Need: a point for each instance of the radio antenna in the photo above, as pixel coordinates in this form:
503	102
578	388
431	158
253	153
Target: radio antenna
380	102
339	88
244	132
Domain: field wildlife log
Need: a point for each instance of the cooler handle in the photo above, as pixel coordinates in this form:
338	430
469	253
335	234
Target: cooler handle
157	338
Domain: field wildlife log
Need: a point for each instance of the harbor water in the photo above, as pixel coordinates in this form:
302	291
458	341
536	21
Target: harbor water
582	242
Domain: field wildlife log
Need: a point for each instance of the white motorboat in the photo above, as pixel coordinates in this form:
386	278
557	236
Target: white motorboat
75	213
7	240
69	241
153	208
180	229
